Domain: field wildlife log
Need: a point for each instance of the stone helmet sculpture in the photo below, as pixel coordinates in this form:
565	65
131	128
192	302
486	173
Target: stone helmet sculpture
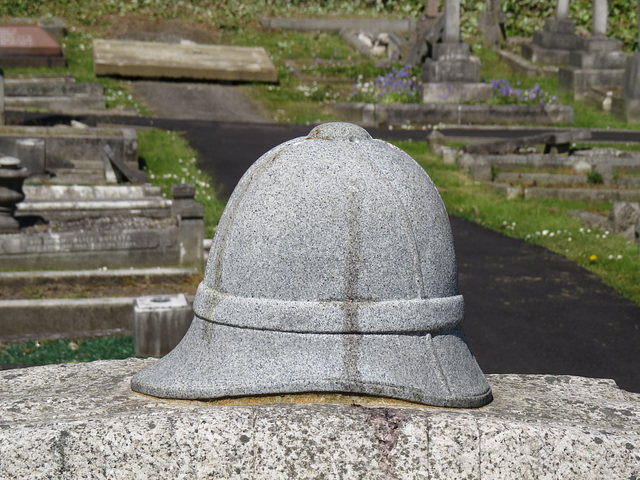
332	270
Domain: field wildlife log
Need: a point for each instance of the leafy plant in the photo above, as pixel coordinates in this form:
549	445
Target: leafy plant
595	178
397	86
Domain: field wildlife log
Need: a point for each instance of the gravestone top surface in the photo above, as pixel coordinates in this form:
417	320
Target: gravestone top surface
27	40
332	269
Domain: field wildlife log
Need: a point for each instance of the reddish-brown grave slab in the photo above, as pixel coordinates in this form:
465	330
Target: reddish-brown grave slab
27	40
29	46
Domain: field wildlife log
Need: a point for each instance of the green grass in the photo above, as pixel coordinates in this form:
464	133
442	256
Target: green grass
168	160
64	351
539	221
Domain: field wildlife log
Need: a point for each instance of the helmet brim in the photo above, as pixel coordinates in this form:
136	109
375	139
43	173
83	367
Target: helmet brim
215	361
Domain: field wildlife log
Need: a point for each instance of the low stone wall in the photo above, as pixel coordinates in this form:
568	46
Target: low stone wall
83	420
68	148
398	114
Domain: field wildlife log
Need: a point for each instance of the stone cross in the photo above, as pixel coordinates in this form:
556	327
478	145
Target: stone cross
451	21
600	18
562	10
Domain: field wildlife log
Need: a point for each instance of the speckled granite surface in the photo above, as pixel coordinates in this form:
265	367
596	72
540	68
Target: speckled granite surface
83	421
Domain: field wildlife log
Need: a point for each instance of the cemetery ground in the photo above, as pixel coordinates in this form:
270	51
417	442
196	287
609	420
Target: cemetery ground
315	70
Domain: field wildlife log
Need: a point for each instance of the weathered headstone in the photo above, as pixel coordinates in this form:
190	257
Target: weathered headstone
490	23
451	75
599	61
332	269
29	46
555	42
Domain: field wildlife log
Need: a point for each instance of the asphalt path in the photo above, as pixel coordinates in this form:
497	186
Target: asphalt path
528	310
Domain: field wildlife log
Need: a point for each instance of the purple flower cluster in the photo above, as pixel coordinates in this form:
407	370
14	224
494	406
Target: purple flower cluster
396	86
505	93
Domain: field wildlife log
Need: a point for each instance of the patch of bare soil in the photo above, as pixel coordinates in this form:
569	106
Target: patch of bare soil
135	27
100	288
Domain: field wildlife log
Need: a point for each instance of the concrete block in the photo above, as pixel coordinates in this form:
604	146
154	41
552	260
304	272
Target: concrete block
31	152
580	81
549	56
625	219
167	60
557	41
159	323
456	92
553	25
83	421
451	71
598	60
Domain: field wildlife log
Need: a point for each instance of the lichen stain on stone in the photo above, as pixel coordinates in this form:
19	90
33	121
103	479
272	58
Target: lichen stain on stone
58	448
388	427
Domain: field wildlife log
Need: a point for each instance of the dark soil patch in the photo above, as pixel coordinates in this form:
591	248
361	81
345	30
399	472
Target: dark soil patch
135	27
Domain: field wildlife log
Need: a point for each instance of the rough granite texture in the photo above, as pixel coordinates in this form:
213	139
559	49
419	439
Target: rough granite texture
83	421
332	269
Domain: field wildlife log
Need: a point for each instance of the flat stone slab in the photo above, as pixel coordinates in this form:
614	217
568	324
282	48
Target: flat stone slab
29	46
82	420
511	145
189	61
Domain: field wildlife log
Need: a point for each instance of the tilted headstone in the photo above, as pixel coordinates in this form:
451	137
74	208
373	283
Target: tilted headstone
332	269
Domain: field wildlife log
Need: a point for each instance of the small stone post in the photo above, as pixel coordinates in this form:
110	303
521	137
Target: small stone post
159	323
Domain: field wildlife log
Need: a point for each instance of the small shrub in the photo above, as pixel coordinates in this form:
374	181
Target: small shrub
504	93
595	178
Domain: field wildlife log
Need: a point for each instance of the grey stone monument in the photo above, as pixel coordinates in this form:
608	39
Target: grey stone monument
628	106
452	75
490	23
332	270
599	62
555	42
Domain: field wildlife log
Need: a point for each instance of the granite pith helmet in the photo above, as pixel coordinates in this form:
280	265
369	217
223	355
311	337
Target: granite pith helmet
332	270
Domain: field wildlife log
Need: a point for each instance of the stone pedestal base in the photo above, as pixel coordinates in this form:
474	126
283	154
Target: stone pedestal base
549	56
553	44
83	421
631	80
451	62
627	109
581	80
456	92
